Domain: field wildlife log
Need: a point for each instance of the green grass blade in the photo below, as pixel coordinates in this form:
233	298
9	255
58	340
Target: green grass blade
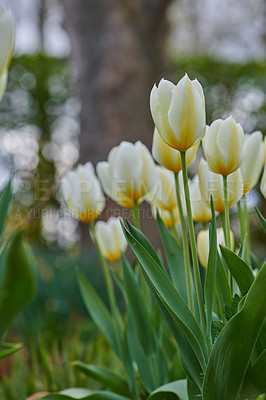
262	219
5	200
106	377
97	310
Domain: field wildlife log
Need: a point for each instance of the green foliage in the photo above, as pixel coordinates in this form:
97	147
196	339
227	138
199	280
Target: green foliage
232	351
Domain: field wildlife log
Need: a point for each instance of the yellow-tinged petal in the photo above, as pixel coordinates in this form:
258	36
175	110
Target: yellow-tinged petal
110	238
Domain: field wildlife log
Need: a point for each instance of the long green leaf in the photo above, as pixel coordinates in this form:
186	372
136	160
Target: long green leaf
138	309
255	381
97	310
144	242
5	200
171	391
83	394
175	258
239	269
6	349
211	272
233	348
17	284
171	298
108	378
262	219
222	287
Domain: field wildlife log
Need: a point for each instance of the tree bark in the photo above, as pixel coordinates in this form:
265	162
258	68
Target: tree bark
119	49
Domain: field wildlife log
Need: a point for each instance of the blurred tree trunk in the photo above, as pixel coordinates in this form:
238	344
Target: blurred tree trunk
119	47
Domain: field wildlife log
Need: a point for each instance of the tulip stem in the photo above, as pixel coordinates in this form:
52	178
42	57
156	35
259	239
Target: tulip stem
193	243
185	244
135	215
247	229
107	276
227	227
173	229
241	221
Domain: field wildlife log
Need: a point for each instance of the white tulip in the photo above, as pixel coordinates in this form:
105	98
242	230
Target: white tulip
212	184
179	112
169	218
203	245
110	238
3	82
263	183
201	212
6	45
168	157
252	163
82	193
223	146
129	173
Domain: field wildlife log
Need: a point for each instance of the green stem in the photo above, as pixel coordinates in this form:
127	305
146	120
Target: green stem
241	221
135	215
227	227
193	243
204	226
185	244
247	229
107	276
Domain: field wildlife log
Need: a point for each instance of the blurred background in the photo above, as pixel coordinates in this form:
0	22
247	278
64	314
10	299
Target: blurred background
79	83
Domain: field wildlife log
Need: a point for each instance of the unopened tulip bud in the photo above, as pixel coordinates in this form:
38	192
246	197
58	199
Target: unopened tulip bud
223	146
168	157
211	184
82	193
129	173
179	112
253	160
201	212
110	238
203	245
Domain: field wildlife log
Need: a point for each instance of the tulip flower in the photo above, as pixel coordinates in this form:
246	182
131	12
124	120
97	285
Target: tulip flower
82	193
169	218
263	179
6	45
178	112
110	238
212	184
163	194
129	173
168	157
253	160
203	244
223	146
201	212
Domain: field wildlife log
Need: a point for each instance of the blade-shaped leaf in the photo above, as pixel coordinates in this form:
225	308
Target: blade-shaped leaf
108	378
5	200
6	349
171	391
17	279
262	219
97	310
211	272
239	269
232	350
137	306
175	258
84	394
171	298
255	382
144	242
223	291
